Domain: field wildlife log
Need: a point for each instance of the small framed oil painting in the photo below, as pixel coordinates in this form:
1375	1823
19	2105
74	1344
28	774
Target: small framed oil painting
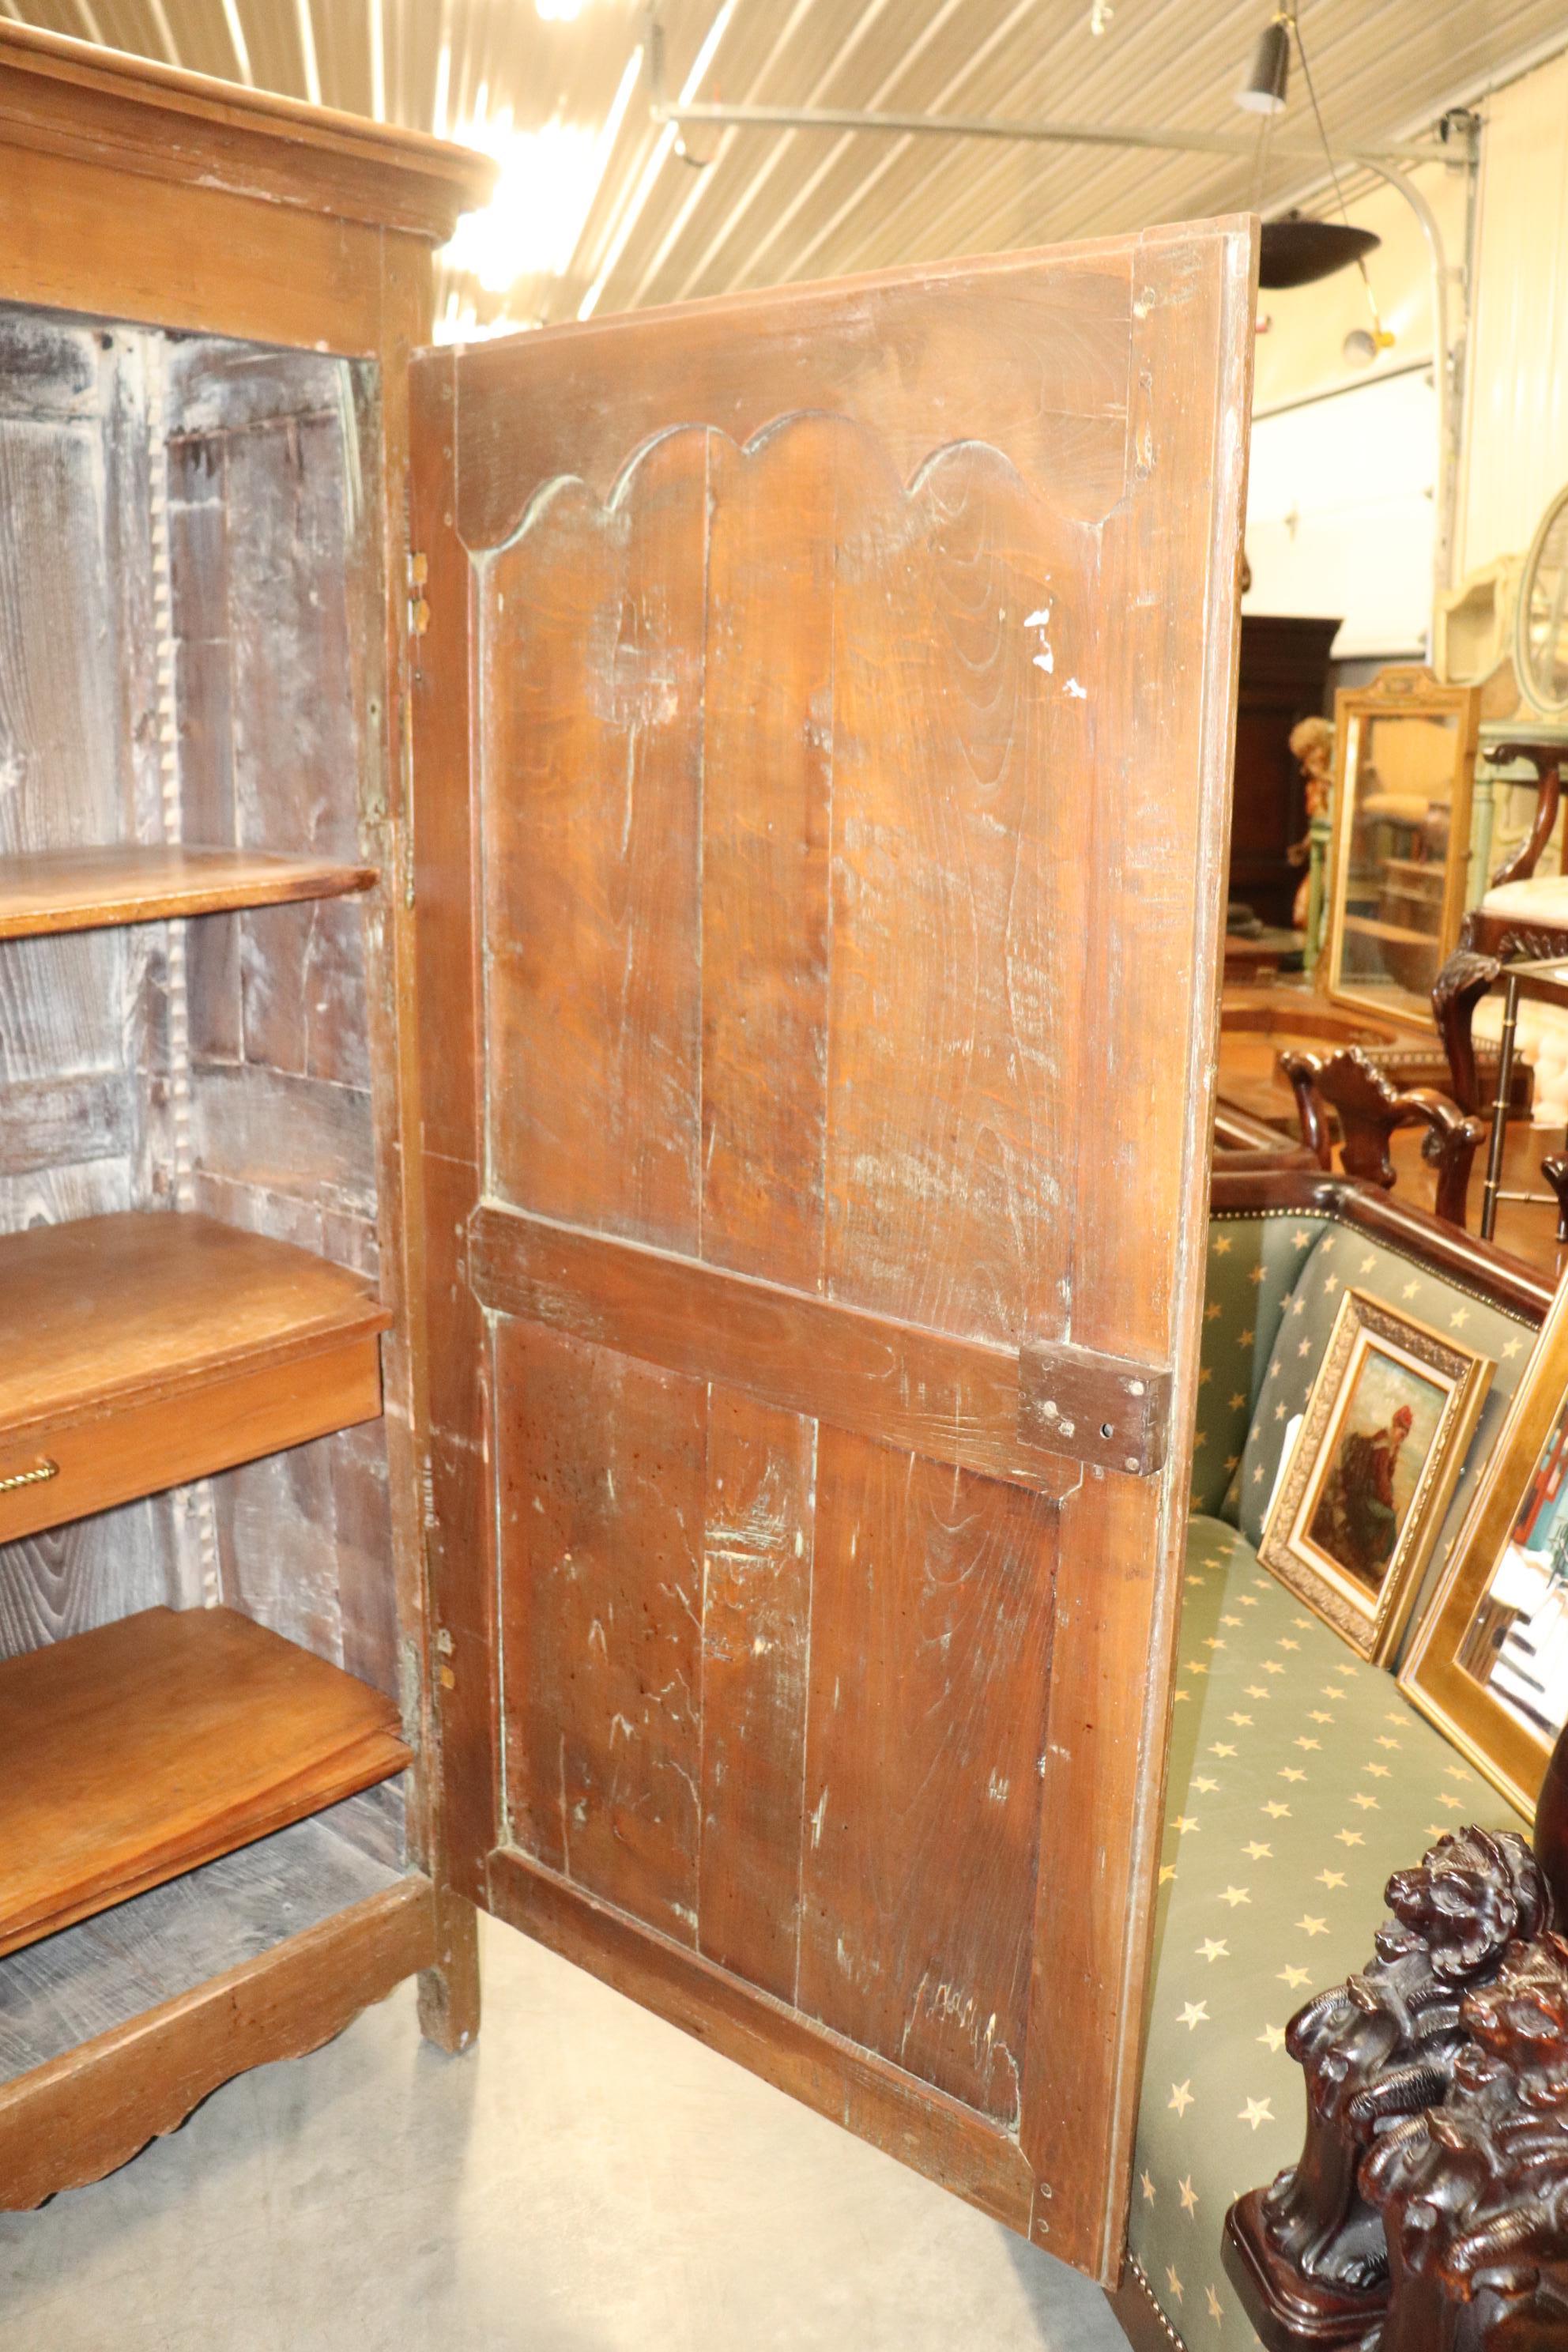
1489	1660
1362	1491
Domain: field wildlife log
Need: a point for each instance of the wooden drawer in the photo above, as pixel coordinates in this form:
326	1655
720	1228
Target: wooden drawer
139	1352
107	1458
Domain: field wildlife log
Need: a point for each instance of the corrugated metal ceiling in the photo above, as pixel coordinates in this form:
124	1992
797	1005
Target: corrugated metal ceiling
631	220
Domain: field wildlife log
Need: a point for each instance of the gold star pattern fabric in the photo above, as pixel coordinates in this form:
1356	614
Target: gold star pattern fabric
1253	1267
1271	1889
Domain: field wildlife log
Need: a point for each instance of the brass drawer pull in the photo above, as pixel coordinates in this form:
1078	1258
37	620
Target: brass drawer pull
33	1477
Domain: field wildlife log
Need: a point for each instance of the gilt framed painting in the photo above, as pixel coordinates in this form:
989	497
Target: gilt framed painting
1489	1660
1363	1489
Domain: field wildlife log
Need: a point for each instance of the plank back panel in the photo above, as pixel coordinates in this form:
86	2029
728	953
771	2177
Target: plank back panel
80	1017
836	685
269	524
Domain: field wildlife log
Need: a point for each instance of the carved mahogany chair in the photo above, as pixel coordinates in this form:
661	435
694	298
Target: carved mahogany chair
1522	918
1243	1142
1371	1108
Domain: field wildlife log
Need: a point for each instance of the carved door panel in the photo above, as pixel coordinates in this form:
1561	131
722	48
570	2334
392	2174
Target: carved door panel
822	719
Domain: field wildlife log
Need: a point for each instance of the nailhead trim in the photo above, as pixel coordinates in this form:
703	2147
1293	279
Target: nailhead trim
1136	2267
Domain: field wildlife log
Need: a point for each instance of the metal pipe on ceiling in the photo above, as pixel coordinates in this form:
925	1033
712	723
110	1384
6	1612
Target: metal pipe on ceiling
990	126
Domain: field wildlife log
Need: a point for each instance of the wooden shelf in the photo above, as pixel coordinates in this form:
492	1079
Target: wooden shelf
141	1350
84	889
138	1751
1367	927
107	1973
116	2028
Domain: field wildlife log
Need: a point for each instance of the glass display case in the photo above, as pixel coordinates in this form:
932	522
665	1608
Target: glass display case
1404	766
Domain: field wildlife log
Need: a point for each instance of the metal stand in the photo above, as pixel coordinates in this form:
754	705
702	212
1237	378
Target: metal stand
1547	982
1491	1190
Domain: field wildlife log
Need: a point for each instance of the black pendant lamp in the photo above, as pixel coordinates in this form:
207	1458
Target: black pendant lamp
1296	251
1269	76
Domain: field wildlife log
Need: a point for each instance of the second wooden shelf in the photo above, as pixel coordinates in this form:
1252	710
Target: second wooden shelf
145	1747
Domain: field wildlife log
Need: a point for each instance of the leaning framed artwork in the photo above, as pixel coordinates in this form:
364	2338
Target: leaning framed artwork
1363	1489
1489	1662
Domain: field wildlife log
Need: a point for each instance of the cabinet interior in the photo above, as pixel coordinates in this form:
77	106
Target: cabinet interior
191	619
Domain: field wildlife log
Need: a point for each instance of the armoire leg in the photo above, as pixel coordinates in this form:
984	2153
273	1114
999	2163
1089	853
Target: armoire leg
449	1993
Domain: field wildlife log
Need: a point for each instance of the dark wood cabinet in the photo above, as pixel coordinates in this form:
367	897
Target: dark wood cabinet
589	1274
1284	677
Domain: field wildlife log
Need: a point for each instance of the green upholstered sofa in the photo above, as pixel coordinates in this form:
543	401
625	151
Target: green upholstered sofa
1299	1776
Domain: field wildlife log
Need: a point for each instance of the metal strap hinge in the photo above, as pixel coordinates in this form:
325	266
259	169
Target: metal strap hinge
418	610
1109	1411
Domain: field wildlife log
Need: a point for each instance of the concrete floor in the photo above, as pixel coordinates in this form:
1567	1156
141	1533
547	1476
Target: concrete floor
586	2180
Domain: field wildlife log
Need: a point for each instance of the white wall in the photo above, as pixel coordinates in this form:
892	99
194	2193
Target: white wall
1515	452
1340	513
1353	469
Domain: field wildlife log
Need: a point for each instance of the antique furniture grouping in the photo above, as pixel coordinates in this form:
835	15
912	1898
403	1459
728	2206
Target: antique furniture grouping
1301	1776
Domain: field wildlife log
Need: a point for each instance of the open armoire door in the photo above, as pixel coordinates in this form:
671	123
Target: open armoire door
822	709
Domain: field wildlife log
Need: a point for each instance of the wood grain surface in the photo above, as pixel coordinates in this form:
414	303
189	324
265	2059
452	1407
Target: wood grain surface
107	1307
149	1745
109	1969
88	890
75	2118
162	122
956	1399
819	966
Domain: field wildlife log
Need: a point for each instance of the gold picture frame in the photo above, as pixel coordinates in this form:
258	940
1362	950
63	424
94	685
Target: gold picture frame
1363	1492
1459	1672
1405	760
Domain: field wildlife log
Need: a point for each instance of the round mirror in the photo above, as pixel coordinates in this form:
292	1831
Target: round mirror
1541	617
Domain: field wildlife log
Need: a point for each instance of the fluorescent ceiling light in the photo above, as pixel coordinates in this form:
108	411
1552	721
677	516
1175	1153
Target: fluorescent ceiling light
559	12
531	223
549	179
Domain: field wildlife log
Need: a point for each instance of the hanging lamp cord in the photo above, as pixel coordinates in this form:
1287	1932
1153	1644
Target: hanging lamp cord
1289	17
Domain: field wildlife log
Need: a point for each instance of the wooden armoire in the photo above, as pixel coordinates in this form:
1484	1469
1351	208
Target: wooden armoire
608	957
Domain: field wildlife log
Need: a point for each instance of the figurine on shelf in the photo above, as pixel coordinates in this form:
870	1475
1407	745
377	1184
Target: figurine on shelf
1473	2195
1309	2255
1312	748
